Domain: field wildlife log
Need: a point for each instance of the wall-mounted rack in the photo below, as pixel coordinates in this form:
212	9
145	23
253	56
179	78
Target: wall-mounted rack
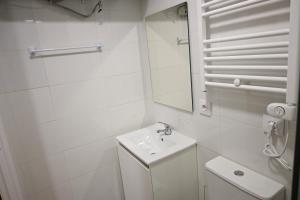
36	52
251	61
261	61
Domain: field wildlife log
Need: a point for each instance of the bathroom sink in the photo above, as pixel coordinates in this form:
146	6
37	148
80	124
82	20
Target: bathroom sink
149	146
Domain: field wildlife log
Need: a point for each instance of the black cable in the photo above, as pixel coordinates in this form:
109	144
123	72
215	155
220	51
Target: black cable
98	7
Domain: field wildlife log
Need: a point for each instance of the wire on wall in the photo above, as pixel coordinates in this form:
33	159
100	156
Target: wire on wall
97	8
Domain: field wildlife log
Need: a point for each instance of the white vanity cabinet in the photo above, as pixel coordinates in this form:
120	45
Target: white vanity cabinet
171	178
135	176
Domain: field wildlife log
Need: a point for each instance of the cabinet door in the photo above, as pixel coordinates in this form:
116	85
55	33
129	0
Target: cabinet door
176	177
135	176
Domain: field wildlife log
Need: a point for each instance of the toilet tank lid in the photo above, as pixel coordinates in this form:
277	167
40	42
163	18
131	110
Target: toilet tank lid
251	182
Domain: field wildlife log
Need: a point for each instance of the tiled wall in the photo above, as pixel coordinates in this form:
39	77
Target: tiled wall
235	128
61	113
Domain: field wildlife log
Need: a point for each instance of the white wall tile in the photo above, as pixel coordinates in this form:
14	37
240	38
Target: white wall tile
18	35
118	5
76	131
26	143
241	142
233	105
60	130
130	54
100	184
127	117
72	67
205	130
83	32
29	108
125	88
51	139
62	192
32	106
88	158
4	62
81	98
53	34
21	72
47	172
123	27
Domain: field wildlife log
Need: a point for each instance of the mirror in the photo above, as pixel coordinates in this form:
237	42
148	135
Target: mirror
169	56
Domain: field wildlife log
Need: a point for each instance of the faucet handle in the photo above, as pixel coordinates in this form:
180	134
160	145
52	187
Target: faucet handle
167	130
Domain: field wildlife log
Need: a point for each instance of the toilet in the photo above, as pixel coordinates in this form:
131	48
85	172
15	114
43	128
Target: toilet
227	180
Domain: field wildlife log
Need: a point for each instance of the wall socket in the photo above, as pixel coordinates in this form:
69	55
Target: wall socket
205	107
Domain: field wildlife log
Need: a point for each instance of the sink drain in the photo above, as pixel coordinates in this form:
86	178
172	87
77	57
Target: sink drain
238	173
153	153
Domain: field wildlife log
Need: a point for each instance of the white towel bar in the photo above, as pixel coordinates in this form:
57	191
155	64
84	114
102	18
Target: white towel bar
246	67
247	57
248	36
213	2
247	87
33	51
231	7
264	63
247	77
250	46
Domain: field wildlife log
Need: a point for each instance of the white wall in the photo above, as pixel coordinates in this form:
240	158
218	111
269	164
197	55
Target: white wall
61	113
235	128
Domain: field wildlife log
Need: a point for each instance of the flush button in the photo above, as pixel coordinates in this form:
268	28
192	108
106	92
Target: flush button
238	173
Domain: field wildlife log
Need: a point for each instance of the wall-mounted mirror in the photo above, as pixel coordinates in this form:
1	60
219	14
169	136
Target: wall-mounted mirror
168	47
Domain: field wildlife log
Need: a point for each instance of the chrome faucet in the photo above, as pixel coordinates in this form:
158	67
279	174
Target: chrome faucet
167	130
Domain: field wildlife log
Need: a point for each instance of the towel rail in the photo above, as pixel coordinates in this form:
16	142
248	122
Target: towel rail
211	3
250	46
246	67
247	77
246	57
248	36
231	7
33	51
251	69
248	87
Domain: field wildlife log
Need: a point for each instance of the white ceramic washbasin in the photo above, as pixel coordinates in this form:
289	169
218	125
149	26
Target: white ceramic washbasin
149	146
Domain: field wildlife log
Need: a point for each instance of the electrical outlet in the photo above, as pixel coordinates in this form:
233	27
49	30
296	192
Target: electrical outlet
205	107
